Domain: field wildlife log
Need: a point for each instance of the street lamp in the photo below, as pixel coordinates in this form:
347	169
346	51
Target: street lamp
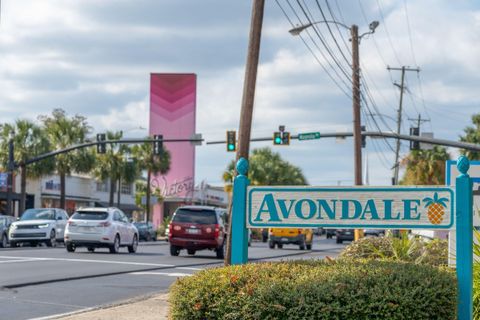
357	135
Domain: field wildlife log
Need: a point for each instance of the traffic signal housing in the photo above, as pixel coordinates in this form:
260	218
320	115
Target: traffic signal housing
364	138
231	141
101	147
157	144
281	138
414	145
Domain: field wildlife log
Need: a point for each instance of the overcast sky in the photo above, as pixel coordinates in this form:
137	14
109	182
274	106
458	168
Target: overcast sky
94	58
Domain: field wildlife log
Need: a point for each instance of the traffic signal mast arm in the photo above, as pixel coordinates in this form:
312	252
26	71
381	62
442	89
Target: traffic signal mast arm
440	142
94	143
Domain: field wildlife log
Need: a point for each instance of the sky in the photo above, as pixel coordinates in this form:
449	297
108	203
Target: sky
94	58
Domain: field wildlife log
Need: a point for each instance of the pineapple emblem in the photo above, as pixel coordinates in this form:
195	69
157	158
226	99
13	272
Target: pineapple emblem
435	208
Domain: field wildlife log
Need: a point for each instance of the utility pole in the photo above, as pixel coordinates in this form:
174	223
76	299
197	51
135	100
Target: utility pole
246	112
396	166
357	133
419	120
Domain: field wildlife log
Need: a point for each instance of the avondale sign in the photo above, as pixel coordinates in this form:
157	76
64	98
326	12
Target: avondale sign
363	207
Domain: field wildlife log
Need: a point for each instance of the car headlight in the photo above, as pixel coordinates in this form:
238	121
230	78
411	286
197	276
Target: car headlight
13	226
45	225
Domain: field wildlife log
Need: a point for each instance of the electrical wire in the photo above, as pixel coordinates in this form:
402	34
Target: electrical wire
338	28
315	56
388	33
409	32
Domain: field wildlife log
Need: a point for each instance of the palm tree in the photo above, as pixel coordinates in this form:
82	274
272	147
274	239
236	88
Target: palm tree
472	135
29	140
108	165
425	167
129	170
153	164
64	131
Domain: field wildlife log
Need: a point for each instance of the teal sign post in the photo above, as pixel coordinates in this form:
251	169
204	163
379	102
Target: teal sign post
309	136
361	207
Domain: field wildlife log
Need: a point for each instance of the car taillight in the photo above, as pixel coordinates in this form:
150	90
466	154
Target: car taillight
177	228
217	230
104	224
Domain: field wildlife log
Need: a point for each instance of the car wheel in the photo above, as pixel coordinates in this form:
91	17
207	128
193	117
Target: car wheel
4	242
221	251
155	237
191	252
339	240
148	237
329	236
52	241
279	245
33	244
174	251
302	247
70	247
309	246
133	248
115	247
13	244
90	249
271	245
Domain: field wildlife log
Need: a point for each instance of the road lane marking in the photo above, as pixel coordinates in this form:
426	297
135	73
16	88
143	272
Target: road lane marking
187	268
14	261
32	259
168	274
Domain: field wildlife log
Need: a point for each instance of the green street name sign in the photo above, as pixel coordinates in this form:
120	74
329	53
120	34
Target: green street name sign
363	207
309	136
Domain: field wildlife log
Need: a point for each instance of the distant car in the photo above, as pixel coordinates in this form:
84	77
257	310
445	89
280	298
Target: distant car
100	228
265	235
5	222
197	228
330	233
374	232
146	231
280	236
35	226
345	235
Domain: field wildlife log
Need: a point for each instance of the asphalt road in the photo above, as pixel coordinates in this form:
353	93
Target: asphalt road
42	282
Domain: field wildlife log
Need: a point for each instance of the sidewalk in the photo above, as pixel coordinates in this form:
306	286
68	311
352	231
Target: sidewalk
145	308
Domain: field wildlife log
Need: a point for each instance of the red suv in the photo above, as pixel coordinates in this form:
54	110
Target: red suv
197	228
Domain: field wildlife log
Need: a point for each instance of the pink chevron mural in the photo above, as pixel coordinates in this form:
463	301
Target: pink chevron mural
172	114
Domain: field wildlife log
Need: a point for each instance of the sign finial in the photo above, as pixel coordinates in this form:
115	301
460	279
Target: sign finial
242	166
463	164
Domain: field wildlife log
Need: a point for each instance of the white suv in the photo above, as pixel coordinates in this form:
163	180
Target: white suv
100	228
38	225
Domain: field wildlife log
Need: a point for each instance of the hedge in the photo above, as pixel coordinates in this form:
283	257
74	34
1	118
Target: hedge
432	252
317	290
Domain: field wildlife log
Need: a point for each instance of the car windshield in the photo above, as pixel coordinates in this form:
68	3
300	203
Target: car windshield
38	214
3	221
140	225
90	215
195	216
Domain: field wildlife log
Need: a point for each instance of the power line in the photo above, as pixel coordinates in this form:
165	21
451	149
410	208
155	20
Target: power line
331	33
315	56
409	32
336	25
327	47
388	33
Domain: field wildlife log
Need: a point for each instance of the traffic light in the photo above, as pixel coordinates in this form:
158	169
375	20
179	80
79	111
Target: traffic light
277	138
157	144
286	138
364	138
281	138
414	145
231	141
101	147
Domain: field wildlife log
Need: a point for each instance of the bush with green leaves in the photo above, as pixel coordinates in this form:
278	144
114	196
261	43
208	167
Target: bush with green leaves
363	289
416	250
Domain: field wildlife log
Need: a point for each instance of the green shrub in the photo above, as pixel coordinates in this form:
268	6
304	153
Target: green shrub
317	290
433	252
